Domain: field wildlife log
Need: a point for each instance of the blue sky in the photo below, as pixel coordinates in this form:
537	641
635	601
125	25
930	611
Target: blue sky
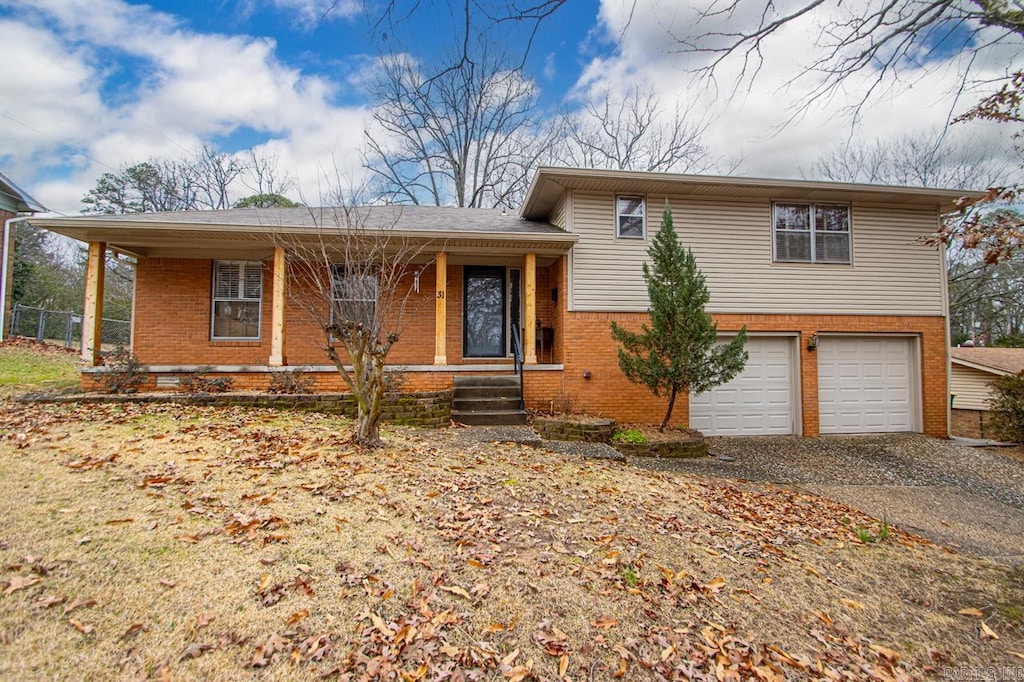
92	85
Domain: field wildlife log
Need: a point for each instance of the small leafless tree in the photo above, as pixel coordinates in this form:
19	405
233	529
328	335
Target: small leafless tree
466	137
935	158
353	277
634	132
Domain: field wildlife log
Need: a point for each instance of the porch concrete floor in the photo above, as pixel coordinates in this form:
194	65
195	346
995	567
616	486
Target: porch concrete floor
966	498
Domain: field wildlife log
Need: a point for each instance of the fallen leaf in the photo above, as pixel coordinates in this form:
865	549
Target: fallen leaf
1016	654
20	583
266	651
563	665
851	603
455	589
298	617
605	622
971	612
167	583
79	604
47	602
194	650
987	632
114	522
132	630
81	627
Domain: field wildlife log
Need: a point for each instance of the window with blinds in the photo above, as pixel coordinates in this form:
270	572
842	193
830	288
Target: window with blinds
237	299
812	233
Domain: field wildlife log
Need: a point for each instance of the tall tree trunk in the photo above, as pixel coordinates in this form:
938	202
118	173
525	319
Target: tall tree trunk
668	413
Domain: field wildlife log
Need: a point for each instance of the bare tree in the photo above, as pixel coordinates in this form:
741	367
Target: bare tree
205	179
881	38
634	132
465	137
353	278
937	158
500	21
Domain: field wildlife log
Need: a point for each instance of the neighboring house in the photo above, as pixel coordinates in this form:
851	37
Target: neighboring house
970	385
844	304
14	203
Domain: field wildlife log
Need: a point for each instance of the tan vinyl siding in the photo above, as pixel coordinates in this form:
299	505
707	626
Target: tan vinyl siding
732	240
972	387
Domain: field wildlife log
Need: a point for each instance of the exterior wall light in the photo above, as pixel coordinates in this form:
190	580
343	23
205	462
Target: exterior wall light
812	343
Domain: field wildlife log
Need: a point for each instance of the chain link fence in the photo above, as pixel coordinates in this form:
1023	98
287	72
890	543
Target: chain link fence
55	326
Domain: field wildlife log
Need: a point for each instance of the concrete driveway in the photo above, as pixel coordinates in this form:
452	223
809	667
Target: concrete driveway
966	498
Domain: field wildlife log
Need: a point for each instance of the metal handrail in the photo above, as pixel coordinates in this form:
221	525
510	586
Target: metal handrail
517	356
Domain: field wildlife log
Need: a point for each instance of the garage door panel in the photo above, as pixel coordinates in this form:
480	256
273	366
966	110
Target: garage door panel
761	400
865	384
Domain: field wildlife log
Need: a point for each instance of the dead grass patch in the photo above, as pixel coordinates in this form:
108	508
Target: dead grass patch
205	543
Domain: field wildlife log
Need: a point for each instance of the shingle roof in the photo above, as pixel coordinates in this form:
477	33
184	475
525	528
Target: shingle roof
443	219
1002	360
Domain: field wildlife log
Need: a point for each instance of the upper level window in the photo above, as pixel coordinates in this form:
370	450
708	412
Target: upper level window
354	295
237	299
812	233
631	217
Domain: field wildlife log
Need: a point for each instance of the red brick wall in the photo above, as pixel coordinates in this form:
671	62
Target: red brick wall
589	345
972	424
172	319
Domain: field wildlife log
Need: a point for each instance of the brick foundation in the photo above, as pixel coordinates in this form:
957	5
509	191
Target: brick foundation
971	424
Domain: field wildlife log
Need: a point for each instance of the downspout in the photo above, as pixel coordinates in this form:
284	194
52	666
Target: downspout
8	224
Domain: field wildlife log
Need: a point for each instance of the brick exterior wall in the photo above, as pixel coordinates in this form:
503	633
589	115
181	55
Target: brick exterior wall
172	327
971	424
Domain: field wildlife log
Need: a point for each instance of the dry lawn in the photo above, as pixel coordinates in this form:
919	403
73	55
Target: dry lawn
222	544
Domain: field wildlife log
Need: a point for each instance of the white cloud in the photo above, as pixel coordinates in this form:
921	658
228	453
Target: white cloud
745	115
62	57
312	12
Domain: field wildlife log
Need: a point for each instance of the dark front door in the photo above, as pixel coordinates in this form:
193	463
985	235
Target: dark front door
483	328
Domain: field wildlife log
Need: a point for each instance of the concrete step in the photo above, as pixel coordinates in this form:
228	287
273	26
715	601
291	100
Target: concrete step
486	392
487	404
485	381
499	418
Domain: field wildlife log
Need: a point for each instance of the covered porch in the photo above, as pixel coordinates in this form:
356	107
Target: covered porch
473	286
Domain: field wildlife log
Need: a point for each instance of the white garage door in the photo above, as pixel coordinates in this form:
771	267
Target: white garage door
760	401
866	384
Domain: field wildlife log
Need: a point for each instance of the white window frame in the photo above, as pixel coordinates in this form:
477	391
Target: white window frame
619	215
812	232
241	298
336	298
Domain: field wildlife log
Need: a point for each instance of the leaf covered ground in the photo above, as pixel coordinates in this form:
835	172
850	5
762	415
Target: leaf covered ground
171	542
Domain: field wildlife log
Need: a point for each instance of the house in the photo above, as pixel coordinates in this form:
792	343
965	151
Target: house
970	385
844	304
15	204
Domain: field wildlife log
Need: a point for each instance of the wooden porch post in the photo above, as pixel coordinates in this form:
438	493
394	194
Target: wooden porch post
277	358
441	309
530	316
92	319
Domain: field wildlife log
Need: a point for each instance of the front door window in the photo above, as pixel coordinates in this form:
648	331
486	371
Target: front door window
484	324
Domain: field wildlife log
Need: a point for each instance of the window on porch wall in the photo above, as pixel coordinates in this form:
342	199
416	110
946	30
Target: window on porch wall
237	299
354	296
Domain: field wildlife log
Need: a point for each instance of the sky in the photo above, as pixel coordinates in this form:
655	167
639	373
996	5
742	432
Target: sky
88	86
